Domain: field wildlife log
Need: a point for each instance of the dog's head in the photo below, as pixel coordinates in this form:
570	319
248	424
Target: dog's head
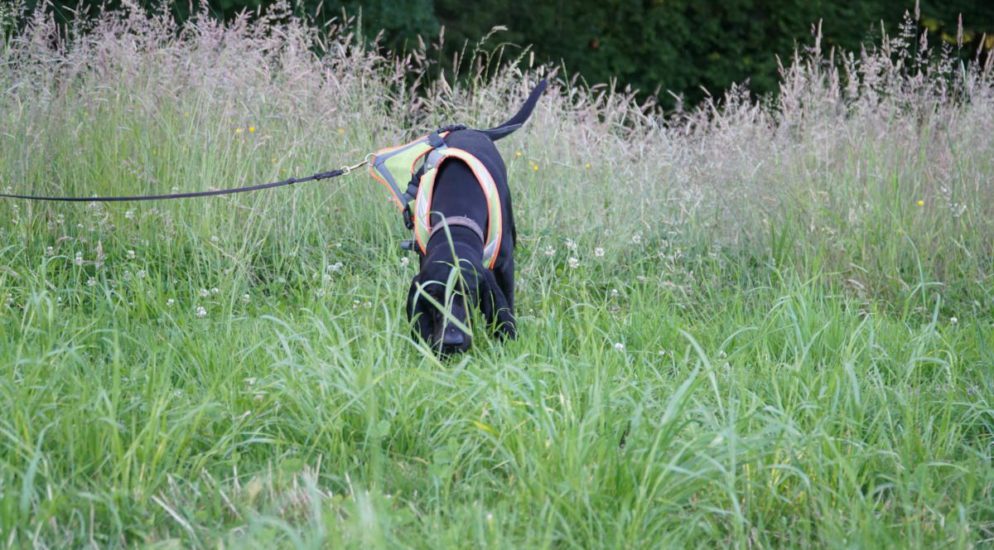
440	299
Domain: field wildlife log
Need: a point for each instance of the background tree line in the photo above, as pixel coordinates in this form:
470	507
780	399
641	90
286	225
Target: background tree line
684	46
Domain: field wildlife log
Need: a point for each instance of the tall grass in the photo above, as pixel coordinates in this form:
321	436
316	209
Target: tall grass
750	323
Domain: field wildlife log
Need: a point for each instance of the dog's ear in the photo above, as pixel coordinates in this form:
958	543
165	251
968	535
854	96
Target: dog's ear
496	311
417	310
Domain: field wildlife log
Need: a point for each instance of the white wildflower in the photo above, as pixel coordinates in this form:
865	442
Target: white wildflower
79	258
246	298
170	302
201	312
215	290
141	273
204	293
131	254
573	263
91	282
614	293
571	244
618	346
405	261
49	251
637	238
953	320
549	251
337	266
130	214
599	252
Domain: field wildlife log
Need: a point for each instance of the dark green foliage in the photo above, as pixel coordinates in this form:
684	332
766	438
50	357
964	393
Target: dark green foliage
684	46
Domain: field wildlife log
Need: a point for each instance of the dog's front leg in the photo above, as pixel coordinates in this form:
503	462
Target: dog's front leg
504	275
496	309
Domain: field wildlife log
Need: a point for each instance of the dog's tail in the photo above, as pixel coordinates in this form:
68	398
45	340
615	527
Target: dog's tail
520	117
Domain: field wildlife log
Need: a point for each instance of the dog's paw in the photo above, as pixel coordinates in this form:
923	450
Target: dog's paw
506	327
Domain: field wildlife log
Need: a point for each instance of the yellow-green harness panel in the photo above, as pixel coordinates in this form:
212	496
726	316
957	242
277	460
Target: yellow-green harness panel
401	162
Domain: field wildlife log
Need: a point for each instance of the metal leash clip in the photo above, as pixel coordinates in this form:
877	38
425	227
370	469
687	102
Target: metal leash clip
346	170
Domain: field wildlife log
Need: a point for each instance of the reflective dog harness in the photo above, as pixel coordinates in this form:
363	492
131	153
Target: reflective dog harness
392	165
426	189
389	165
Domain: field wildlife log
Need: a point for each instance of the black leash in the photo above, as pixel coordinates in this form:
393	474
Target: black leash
231	191
503	130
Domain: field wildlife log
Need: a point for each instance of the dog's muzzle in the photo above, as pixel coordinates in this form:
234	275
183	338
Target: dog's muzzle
452	340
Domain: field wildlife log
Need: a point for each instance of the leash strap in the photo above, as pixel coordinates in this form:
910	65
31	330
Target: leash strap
231	191
434	138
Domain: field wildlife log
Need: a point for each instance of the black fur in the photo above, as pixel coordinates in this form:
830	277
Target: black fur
457	193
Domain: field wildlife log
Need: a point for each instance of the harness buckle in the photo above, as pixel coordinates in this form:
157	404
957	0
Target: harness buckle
407	245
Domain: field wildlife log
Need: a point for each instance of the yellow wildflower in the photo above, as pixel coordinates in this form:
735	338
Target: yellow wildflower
921	202
517	154
251	129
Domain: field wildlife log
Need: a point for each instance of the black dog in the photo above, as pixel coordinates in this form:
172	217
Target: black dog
458	195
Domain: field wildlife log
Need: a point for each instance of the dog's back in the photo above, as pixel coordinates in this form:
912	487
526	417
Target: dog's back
480	146
458	194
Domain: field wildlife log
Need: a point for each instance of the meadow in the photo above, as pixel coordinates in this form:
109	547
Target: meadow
750	323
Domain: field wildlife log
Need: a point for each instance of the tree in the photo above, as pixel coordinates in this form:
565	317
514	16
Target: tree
680	45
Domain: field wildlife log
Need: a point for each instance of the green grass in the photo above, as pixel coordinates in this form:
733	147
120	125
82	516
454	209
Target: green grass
764	341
